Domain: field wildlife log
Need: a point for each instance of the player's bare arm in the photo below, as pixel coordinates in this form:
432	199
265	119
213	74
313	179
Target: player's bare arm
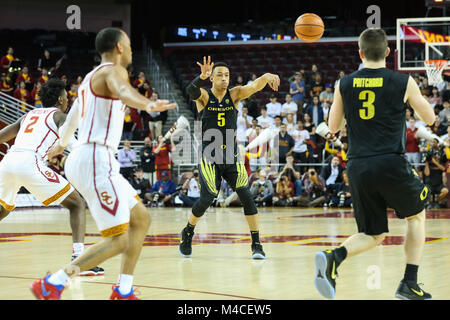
11	131
116	79
336	117
196	93
418	102
59	118
242	92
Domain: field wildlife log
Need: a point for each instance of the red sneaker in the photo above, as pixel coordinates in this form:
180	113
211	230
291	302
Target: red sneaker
43	290
116	295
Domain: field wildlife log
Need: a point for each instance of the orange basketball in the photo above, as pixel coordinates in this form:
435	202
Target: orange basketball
309	27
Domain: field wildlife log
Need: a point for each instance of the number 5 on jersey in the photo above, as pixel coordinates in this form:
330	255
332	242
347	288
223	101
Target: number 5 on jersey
368	97
221	119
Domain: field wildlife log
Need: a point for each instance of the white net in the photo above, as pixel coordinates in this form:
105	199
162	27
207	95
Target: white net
434	70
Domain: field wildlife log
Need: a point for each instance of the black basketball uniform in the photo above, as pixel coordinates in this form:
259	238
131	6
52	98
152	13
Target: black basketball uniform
219	158
379	174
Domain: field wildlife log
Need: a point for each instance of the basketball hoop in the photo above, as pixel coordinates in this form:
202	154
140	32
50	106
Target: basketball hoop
434	70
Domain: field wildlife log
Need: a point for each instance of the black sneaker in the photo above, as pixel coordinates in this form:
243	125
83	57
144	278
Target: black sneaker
257	251
325	278
411	291
185	247
95	271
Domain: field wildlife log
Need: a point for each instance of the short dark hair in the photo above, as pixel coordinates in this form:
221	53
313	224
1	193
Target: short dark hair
51	91
220	64
107	39
373	43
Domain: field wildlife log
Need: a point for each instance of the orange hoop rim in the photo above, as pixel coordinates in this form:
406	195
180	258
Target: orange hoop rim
438	64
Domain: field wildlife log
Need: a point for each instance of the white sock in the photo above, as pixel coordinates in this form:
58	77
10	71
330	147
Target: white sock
77	249
59	278
125	283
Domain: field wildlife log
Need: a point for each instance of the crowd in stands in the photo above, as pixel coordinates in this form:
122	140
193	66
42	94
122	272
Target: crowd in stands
310	170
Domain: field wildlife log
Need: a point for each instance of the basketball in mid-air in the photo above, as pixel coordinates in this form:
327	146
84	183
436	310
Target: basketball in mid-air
309	27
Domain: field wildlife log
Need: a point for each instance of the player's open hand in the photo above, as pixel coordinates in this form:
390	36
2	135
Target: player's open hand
56	150
273	81
160	106
206	68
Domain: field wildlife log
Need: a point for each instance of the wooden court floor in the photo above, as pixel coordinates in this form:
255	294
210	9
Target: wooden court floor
33	242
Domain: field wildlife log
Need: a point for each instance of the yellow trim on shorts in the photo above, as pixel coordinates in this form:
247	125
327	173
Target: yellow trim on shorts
7	206
242	179
57	195
114	231
209	173
137	197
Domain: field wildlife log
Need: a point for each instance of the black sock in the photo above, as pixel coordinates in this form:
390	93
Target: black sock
190	228
411	273
340	254
255	237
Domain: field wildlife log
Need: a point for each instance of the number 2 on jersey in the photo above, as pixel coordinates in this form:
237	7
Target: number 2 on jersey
368	97
221	119
33	121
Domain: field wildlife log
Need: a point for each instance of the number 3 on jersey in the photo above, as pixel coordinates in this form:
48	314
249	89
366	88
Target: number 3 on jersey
368	97
221	119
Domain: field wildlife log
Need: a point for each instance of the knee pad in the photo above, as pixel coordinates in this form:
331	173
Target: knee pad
247	201
202	204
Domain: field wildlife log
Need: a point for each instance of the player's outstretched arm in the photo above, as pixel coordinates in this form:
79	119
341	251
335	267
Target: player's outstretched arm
11	131
194	90
336	117
118	84
243	92
418	102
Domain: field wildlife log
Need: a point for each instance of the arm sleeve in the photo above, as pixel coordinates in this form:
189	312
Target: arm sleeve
67	130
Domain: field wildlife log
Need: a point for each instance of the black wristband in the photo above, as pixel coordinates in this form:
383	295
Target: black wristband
198	82
193	89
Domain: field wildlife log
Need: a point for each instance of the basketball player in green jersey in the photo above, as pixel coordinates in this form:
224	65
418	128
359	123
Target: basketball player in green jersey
220	159
373	103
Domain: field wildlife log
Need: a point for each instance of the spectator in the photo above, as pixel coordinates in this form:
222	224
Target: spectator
57	164
252	106
412	144
326	110
425	88
162	153
293	175
128	125
141	185
22	94
447	135
73	90
434	168
315	111
277	125
139	82
290	123
284	192
285	144
154	120
5	85
47	62
262	190
317	86
191	190
297	90
332	174
5	61
264	120
441	86
35	99
44	76
438	127
340	76
311	74
309	125
239	81
243	123
327	94
64	79
79	81
435	99
444	115
273	107
257	155
300	135
343	197
26	77
148	91
251	132
126	157
147	160
314	186
252	78
161	192
289	107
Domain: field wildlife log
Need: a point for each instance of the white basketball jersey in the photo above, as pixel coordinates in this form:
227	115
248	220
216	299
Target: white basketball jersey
100	118
38	132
